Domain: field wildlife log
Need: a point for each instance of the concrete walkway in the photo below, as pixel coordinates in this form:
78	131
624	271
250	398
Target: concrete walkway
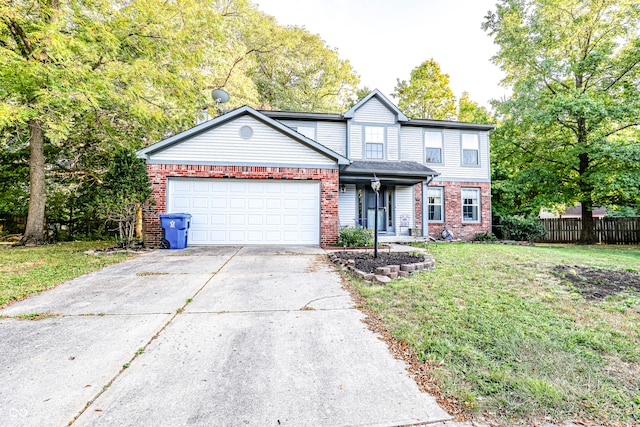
203	336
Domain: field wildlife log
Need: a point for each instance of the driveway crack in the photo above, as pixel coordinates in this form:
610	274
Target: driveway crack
141	350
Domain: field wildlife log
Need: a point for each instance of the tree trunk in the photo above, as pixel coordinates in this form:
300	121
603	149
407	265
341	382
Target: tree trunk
587	235
34	230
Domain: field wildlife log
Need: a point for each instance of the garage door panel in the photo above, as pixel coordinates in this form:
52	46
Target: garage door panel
217	219
247	211
255	220
200	202
274	204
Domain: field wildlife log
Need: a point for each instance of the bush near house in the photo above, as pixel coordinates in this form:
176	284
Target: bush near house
517	227
355	237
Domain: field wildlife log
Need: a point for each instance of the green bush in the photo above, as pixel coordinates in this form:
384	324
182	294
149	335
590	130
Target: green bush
485	237
355	237
516	227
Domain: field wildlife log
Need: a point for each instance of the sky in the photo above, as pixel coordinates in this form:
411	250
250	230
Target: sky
385	39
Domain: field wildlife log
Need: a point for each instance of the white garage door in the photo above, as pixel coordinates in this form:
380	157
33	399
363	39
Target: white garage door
229	212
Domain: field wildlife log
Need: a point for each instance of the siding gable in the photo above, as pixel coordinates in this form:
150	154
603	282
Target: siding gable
225	145
374	111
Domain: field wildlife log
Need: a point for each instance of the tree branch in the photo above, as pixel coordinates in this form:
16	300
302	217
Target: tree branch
621	128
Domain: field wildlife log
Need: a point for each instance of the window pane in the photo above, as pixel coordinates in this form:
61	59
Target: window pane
470	157
470	204
374	134
470	141
433	139
374	151
308	131
434	204
433	155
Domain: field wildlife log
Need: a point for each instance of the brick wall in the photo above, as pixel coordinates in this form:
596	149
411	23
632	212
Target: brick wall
453	210
158	175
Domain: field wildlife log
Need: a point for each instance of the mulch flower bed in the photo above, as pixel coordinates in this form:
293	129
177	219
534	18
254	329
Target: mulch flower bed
384	268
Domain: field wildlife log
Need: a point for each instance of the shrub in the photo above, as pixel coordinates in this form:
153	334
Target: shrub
516	227
485	237
355	237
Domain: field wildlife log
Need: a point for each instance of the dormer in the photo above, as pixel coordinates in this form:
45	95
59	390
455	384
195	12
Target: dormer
373	129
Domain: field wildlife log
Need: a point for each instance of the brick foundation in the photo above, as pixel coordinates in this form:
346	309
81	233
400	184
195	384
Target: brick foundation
453	210
158	175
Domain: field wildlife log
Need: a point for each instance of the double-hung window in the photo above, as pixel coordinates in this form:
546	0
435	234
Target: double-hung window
433	146
374	142
435	204
308	131
470	205
470	149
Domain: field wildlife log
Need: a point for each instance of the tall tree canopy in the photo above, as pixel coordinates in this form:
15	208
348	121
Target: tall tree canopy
570	128
469	111
80	76
427	94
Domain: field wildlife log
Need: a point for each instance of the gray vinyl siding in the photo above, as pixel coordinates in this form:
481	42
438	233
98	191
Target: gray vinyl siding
393	143
404	206
412	144
374	112
333	135
224	145
347	206
452	167
355	149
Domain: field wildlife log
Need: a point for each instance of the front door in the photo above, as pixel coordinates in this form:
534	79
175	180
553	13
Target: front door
385	208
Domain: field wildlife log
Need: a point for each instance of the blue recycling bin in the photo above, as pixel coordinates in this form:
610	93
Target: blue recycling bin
176	230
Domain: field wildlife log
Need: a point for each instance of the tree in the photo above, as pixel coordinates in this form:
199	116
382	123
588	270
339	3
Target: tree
300	73
125	189
427	94
573	116
126	64
469	111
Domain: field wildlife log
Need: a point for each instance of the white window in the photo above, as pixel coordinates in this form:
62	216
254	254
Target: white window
433	146
308	131
435	204
470	149
374	142
470	205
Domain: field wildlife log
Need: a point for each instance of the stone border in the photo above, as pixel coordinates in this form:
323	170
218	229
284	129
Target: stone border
384	275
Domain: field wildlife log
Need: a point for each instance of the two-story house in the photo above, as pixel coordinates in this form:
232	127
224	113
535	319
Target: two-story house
276	177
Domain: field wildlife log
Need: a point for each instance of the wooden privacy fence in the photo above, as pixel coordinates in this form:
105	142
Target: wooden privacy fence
607	230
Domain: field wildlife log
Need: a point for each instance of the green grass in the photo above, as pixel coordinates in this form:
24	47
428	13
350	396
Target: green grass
28	270
514	341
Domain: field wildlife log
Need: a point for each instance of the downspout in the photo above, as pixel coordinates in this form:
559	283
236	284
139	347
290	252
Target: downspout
348	149
425	212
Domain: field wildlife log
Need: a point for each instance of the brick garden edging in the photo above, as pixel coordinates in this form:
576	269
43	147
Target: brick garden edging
384	275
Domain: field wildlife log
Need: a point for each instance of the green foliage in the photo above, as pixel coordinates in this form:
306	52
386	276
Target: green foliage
301	73
516	227
427	94
91	77
27	271
355	237
469	111
507	337
125	189
569	132
485	237
624	212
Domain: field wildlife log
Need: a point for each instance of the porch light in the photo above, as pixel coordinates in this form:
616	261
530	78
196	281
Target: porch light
375	185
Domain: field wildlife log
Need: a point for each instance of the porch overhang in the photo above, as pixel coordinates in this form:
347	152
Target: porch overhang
389	173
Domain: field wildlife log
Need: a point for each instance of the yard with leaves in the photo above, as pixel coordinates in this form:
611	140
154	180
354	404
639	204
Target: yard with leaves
517	334
29	270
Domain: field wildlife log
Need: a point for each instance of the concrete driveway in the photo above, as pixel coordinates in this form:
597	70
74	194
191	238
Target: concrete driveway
203	336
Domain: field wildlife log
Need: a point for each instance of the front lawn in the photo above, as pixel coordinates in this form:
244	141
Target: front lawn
29	270
518	333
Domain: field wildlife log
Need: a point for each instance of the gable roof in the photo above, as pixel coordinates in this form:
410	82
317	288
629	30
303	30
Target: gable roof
144	153
383	99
